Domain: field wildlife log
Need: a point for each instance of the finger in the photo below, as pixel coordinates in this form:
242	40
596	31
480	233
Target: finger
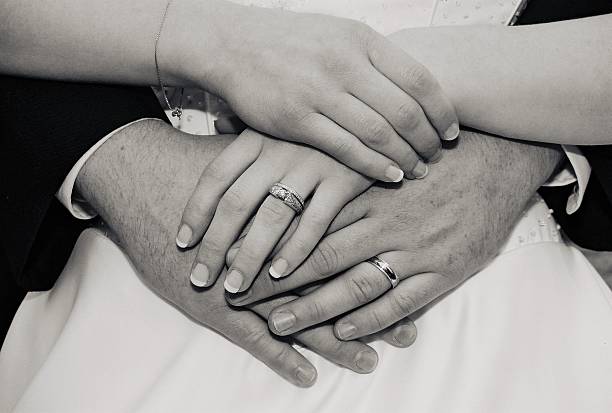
414	78
234	210
214	181
334	253
348	149
351	213
329	198
352	289
409	296
402	334
402	112
252	334
353	355
271	221
373	130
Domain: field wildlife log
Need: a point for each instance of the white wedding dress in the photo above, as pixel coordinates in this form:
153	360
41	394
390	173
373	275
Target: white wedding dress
530	333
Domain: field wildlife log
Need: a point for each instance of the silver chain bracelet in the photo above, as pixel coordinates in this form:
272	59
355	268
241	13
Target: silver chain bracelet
177	111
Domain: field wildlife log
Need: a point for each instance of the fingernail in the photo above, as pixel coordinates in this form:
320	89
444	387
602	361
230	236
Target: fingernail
231	255
405	336
183	238
345	331
233	281
306	375
420	171
283	320
436	157
394	173
199	275
278	268
366	360
452	132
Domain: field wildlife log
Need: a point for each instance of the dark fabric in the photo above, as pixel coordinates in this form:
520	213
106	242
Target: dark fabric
45	127
591	226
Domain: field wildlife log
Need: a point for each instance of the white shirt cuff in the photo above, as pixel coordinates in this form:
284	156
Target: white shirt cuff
79	208
577	172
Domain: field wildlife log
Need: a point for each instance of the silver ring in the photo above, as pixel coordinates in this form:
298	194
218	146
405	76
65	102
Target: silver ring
384	267
289	197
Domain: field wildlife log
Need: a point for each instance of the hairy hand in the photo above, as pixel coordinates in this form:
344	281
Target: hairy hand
434	233
139	181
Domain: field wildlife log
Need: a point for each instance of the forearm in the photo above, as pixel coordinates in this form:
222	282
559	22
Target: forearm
109	41
548	82
154	169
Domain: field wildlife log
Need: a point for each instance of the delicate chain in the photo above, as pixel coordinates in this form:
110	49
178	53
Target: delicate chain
177	111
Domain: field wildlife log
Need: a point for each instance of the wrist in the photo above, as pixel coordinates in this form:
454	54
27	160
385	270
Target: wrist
191	46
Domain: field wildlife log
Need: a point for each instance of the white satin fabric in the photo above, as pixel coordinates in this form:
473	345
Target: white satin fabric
530	333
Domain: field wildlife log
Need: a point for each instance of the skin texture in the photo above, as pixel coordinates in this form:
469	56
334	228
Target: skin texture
138	182
332	83
434	233
141	177
545	82
235	186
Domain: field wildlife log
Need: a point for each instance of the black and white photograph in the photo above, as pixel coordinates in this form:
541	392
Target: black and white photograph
306	206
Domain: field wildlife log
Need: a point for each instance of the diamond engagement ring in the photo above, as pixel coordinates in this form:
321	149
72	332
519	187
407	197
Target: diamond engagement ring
289	197
384	267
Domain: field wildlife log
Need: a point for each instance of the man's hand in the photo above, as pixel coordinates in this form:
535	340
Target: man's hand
434	233
139	182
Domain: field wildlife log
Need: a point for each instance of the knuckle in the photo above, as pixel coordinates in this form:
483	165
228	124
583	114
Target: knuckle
378	322
272	211
362	288
214	172
342	148
233	202
405	304
281	354
325	259
377	134
411	116
418	77
408	111
255	339
316	311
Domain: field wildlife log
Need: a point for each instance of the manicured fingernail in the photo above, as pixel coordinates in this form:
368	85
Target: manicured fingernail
394	174
199	275
452	132
405	336
233	281
278	268
231	255
366	360
183	238
345	331
436	157
420	171
306	375
283	320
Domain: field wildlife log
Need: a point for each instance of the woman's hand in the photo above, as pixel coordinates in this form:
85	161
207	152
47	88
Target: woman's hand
434	233
331	83
234	186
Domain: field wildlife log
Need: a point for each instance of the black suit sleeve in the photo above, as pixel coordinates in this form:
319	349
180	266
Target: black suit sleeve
46	126
591	225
